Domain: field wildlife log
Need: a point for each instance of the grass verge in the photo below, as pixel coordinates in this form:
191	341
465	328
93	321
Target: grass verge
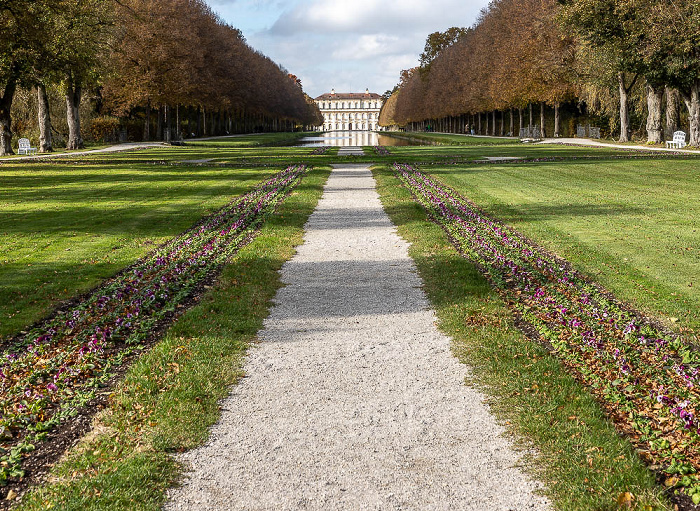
583	461
632	225
169	398
449	138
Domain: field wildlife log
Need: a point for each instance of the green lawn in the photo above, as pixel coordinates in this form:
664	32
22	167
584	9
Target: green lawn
450	138
170	397
581	458
633	225
64	228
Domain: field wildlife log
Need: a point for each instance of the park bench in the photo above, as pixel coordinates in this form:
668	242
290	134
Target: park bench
593	132
678	141
531	132
25	147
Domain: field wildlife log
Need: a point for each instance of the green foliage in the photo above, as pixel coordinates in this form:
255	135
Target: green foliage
104	128
583	461
170	397
438	41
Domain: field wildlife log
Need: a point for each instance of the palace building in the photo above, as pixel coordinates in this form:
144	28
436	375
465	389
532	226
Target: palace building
349	111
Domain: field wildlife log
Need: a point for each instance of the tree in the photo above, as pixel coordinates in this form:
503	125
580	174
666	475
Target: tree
671	45
24	31
79	31
602	26
438	41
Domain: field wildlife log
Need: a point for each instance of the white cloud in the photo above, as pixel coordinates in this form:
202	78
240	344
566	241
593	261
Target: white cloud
346	44
376	16
367	46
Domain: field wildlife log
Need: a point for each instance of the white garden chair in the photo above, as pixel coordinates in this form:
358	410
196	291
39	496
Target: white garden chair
678	141
25	147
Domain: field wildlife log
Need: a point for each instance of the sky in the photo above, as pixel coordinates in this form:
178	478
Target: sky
348	45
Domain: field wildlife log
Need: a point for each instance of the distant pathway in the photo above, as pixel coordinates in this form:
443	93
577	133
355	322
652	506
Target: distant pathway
352	399
111	149
596	143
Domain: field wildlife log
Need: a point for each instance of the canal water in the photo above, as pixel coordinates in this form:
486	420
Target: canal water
352	138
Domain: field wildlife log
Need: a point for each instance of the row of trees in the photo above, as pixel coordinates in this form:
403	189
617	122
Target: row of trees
145	57
552	52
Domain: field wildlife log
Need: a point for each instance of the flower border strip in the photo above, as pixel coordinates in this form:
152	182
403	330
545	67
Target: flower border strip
58	365
381	150
648	378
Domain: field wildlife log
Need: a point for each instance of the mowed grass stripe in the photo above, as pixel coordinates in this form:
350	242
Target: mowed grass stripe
633	225
584	462
170	397
64	229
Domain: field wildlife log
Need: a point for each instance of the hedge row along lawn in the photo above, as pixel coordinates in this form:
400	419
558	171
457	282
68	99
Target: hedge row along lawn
58	366
646	376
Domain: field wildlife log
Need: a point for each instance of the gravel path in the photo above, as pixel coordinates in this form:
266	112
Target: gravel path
353	399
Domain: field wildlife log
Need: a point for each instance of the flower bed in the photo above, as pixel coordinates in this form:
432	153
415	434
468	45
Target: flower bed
647	378
320	150
57	367
381	150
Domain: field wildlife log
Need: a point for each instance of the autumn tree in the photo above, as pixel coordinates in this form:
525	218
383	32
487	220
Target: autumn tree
24	30
79	29
438	41
634	34
670	44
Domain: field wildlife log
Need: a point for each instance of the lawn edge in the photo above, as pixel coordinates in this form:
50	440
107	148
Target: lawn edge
125	461
484	337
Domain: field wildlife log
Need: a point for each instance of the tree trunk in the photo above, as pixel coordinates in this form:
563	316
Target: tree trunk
166	125
487	124
159	124
624	107
45	145
73	96
543	132
557	120
529	125
493	130
692	102
177	122
147	123
511	122
654	126
673	112
6	119
521	121
479	131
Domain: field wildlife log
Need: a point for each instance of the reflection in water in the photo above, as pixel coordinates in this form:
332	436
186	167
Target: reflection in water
352	138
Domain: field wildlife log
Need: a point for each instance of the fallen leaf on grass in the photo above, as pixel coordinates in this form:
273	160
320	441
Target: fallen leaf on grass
625	500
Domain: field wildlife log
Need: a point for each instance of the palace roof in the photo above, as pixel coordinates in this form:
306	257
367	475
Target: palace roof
348	95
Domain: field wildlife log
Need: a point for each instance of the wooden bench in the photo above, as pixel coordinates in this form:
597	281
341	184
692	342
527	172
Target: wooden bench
678	141
25	147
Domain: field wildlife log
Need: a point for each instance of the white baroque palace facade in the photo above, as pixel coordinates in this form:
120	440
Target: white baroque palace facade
349	111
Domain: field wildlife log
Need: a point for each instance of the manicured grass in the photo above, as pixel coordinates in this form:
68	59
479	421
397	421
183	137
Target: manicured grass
253	140
64	228
79	221
584	462
169	398
633	225
449	138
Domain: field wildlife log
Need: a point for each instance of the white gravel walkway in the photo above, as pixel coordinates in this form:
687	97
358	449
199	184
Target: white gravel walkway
353	399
